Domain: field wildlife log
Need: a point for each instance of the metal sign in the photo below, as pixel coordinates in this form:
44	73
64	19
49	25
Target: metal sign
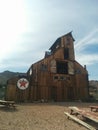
22	83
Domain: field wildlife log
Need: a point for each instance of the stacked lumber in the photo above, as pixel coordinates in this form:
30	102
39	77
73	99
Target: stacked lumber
75	111
94	108
80	121
85	114
7	103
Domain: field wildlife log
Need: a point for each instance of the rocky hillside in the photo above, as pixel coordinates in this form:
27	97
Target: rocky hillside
4	76
93	84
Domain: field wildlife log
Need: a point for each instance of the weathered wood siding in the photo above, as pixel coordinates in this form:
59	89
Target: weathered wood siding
14	93
56	77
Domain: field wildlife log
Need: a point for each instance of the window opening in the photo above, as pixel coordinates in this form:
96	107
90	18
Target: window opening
66	53
55	77
62	67
62	78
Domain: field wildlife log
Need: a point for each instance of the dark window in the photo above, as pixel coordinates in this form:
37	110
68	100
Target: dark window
68	78
66	53
43	67
62	68
55	77
78	71
62	78
68	40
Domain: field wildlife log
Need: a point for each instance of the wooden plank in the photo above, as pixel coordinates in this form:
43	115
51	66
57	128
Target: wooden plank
88	115
7	103
79	121
91	117
3	101
94	107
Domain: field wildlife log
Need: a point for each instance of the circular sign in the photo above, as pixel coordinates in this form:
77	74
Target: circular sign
22	83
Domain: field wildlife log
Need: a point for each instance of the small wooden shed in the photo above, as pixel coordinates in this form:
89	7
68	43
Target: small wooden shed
17	89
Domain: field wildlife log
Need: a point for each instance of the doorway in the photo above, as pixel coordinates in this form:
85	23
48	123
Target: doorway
54	93
70	93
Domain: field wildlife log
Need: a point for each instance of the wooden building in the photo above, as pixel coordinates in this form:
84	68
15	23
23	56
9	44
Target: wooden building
17	89
57	77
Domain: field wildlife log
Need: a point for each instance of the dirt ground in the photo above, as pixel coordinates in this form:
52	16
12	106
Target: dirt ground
40	116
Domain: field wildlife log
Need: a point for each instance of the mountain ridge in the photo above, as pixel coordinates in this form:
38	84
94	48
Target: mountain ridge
5	75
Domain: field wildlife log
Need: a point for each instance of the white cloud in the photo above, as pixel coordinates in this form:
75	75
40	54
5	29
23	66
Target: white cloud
80	49
91	38
88	59
12	25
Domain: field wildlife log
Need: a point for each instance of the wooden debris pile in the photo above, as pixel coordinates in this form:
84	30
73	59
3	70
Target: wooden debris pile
88	119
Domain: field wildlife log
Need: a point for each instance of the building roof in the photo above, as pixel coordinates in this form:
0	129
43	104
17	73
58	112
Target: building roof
59	39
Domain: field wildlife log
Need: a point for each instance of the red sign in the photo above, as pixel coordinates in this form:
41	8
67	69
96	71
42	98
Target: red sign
22	83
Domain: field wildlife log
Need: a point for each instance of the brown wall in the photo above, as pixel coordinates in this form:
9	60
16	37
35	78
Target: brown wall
47	83
14	93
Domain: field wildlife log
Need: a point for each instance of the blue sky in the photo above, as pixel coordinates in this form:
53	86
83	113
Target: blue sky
29	27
